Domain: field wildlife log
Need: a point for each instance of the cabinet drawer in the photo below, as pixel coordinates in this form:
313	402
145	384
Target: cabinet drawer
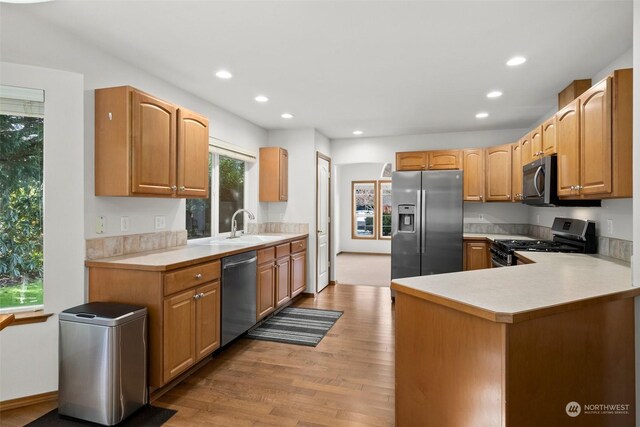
266	255
282	250
191	276
298	245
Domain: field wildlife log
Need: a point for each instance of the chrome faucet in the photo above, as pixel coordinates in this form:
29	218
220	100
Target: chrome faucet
234	224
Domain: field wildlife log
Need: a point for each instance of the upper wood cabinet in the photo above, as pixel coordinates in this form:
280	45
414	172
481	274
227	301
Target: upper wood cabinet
445	159
412	161
516	172
498	173
274	174
473	177
549	136
148	147
526	154
535	136
595	151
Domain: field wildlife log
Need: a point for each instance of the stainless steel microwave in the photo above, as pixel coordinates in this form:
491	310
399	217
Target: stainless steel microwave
540	185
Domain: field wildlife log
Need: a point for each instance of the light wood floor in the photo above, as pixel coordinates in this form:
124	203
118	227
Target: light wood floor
347	380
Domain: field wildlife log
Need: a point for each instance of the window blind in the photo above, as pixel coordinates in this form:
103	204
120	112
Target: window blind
21	101
227	149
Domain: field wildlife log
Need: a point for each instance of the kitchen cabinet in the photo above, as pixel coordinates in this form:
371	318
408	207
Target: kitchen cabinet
412	161
595	141
526	150
498	173
473	177
535	137
283	275
298	267
572	91
274	174
445	159
549	136
192	328
145	146
516	172
476	255
266	281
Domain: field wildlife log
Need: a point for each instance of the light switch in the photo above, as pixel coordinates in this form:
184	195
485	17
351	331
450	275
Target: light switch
160	221
609	227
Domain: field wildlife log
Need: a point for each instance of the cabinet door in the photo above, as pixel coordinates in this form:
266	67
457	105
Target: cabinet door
476	255
266	289
473	166
516	172
193	154
549	136
568	144
595	139
179	334
153	149
411	161
498	173
207	319
283	179
536	143
444	159
298	273
283	281
526	150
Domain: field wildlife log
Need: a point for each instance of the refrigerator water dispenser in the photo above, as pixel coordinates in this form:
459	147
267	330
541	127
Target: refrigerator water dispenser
406	218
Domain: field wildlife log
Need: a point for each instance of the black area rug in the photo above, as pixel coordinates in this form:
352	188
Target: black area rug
146	416
303	326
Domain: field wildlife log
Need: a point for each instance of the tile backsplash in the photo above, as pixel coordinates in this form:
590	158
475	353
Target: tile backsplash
104	247
278	227
488	228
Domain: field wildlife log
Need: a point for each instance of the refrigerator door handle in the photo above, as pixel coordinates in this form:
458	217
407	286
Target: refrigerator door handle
417	233
423	222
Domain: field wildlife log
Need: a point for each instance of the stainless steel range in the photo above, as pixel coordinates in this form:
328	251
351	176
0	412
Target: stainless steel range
569	235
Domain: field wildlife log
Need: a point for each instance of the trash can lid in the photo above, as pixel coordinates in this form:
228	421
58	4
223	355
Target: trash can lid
103	313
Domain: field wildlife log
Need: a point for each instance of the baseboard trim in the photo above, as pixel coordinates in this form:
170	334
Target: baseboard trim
21	402
333	282
307	295
364	253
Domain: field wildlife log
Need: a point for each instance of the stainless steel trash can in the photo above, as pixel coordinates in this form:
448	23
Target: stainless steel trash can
102	361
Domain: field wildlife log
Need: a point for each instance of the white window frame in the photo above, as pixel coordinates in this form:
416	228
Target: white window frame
215	199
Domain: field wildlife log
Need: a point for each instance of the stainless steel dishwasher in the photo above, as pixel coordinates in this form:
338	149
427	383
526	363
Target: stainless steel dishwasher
238	295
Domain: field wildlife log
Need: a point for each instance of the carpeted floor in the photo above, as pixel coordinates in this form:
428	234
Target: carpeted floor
359	269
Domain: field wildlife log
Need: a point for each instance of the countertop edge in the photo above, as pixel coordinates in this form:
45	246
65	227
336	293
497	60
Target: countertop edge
105	263
499	317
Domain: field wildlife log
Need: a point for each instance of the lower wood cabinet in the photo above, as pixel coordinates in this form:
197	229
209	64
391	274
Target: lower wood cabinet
191	328
476	255
298	273
283	281
266	289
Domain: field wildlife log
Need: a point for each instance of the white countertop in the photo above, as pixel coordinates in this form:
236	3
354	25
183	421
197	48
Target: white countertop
181	256
555	281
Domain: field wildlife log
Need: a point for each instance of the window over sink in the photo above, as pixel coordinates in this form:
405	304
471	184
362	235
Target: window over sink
227	193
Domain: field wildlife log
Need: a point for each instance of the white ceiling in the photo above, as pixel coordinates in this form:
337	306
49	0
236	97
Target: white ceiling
387	67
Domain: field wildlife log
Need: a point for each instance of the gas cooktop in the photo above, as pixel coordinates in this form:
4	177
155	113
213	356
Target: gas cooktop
534	245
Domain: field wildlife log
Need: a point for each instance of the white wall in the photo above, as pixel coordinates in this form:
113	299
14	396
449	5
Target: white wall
495	213
347	174
29	353
27	40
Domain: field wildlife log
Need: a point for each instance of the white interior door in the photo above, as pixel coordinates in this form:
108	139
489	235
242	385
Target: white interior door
322	202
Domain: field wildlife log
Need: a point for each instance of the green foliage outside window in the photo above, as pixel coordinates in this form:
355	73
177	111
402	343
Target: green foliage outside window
21	191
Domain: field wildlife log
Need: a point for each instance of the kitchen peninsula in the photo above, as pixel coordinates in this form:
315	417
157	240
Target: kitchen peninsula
517	346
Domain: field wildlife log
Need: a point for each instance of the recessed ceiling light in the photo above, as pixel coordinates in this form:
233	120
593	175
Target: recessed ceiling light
516	60
494	94
286	116
357	132
482	115
261	98
224	74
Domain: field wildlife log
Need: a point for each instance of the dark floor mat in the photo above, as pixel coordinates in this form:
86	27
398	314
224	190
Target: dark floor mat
145	416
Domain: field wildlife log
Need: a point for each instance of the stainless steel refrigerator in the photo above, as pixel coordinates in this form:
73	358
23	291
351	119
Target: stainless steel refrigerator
426	227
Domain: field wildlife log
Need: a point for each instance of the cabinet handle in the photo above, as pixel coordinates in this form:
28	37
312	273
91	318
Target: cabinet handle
182	188
579	187
481	197
198	276
174	188
197	296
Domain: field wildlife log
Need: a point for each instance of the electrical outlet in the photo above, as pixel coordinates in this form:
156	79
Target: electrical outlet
481	217
101	224
538	219
124	223
160	221
609	227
